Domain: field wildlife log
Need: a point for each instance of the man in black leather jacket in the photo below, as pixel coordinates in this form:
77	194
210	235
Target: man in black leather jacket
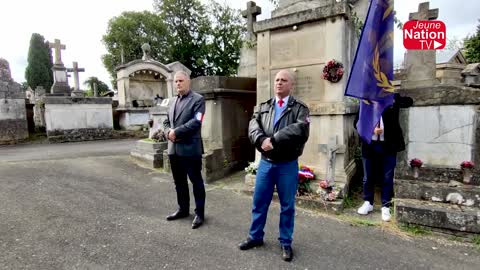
279	129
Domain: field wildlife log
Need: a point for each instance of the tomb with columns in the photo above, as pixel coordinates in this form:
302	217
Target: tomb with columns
139	82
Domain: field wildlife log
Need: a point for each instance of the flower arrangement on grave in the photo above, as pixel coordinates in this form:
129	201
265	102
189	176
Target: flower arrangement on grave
251	168
467	167
327	191
415	164
305	176
333	71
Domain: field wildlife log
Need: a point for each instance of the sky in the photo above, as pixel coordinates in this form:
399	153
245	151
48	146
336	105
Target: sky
80	25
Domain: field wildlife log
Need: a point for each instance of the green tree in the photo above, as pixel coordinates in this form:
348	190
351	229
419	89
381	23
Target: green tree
39	69
454	44
472	47
188	28
128	32
206	39
226	39
102	87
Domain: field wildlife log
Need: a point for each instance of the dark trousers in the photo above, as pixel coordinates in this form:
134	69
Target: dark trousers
191	167
378	164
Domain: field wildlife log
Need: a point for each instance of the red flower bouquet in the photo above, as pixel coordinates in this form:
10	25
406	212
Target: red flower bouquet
467	165
416	163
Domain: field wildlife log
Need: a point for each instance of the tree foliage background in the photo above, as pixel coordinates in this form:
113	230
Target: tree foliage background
128	32
205	38
39	68
472	47
102	87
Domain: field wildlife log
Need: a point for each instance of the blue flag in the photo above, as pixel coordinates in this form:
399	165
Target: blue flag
372	70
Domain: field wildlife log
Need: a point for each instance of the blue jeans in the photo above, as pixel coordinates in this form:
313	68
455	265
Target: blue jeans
379	164
283	175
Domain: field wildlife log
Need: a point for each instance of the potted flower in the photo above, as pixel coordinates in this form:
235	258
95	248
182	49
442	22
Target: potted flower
416	164
467	167
251	170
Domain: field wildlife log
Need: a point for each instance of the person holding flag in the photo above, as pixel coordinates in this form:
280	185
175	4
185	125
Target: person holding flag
377	122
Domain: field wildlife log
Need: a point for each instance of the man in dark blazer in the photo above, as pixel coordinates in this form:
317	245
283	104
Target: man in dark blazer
183	131
379	158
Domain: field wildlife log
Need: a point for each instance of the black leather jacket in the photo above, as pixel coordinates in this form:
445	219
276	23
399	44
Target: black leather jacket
288	136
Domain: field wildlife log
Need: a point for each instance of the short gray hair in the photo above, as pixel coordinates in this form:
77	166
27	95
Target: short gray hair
182	73
290	75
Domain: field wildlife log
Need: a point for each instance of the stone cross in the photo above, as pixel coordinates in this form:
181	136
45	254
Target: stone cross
122	56
424	13
331	150
58	46
420	65
95	90
251	15
75	70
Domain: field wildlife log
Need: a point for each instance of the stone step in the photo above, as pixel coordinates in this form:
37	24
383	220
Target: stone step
438	215
452	193
150	147
150	160
436	175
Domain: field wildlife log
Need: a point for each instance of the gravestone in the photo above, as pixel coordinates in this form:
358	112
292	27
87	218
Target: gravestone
95	90
76	83
331	149
251	14
303	36
248	53
13	115
442	129
30	95
420	65
60	85
39	108
471	75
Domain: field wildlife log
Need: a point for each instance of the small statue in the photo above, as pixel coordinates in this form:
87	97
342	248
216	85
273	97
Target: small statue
146	52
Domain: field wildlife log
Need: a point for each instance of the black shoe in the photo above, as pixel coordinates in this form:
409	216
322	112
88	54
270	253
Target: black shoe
249	243
178	214
287	253
197	222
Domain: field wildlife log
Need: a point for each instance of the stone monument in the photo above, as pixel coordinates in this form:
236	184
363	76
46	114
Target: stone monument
76	83
303	36
442	129
13	115
60	85
138	83
248	53
420	65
